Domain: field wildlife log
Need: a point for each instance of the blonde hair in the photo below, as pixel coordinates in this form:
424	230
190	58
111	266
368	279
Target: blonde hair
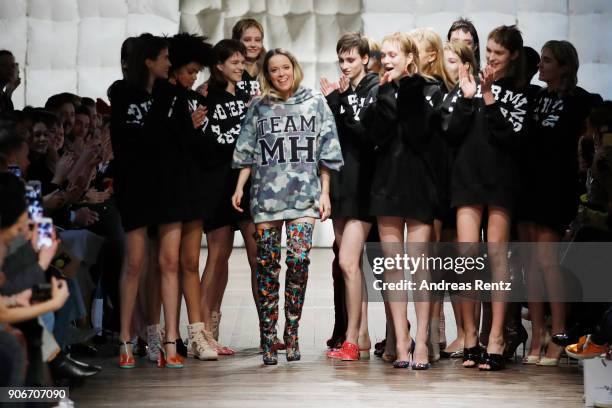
267	89
433	43
465	54
407	46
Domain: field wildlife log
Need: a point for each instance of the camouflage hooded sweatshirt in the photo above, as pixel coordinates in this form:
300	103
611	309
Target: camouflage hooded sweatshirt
284	143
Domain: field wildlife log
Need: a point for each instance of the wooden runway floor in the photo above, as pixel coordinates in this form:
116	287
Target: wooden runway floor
242	381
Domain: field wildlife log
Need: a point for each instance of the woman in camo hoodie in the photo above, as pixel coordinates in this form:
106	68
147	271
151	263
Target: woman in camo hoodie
288	143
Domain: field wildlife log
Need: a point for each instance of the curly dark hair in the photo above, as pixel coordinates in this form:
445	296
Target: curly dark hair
186	48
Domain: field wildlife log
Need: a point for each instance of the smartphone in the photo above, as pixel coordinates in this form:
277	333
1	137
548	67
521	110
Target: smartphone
41	292
34	202
45	232
14	169
37	186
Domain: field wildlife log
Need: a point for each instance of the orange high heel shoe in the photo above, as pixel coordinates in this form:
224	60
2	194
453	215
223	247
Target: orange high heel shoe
126	355
175	361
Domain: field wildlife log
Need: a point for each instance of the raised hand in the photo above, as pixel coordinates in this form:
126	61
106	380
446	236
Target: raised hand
386	78
466	81
487	77
326	86
62	168
199	116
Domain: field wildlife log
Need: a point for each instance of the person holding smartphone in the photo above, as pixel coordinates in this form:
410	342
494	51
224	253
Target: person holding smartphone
288	144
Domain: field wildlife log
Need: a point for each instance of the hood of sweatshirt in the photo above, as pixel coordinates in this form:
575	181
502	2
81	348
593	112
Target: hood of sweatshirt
301	94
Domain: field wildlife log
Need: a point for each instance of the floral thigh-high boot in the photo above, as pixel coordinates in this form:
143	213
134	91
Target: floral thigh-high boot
268	270
299	242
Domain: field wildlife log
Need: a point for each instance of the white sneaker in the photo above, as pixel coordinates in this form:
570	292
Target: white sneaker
198	346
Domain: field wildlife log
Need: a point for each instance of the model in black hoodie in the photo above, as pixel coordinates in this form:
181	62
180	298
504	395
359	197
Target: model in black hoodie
227	106
133	185
350	188
486	121
552	187
398	121
398	116
135	148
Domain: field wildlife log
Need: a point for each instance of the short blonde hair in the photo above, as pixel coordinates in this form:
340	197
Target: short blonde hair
433	43
407	46
465	54
268	89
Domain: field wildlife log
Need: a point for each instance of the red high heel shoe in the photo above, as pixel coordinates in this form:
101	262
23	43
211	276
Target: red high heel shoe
175	361
348	352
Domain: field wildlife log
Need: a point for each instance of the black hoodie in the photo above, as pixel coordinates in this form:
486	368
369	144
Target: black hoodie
179	175
249	85
551	157
398	119
350	187
487	140
224	119
133	148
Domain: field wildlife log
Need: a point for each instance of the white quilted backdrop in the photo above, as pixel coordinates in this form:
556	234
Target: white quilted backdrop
73	45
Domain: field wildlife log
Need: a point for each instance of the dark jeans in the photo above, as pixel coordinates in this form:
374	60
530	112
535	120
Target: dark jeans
12	361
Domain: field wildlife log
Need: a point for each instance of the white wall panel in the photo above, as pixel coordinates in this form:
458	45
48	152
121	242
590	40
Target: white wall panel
73	45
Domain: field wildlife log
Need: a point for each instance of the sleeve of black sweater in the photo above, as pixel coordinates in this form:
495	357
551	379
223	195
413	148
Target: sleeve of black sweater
333	101
379	115
507	123
454	115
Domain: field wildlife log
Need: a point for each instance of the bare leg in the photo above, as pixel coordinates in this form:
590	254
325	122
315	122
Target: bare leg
191	239
134	259
498	234
418	235
247	229
549	265
169	247
468	231
220	243
391	230
351	249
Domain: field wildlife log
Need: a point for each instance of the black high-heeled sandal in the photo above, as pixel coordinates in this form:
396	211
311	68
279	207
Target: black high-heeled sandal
418	366
404	363
496	362
472	354
513	341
